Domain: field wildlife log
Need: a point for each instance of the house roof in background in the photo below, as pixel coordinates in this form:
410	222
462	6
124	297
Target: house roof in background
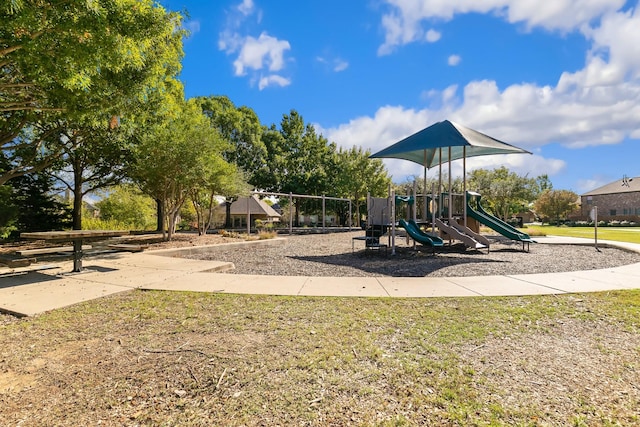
624	185
256	207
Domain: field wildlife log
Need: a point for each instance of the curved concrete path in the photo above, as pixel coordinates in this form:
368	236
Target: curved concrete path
36	292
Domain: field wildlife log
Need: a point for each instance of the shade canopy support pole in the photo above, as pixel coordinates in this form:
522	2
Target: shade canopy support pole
464	184
450	195
424	187
440	183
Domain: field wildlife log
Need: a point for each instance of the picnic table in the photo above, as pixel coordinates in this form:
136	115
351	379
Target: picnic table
77	237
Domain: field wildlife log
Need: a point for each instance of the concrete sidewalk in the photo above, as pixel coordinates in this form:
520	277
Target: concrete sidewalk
36	292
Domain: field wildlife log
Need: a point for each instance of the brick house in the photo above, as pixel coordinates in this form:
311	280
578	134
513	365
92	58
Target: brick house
619	200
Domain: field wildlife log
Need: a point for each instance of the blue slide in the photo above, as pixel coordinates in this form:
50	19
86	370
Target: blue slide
420	236
496	224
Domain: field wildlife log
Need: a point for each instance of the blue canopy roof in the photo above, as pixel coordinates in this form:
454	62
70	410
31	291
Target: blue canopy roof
423	147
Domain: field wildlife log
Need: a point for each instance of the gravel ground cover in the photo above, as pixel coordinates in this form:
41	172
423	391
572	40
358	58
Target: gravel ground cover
331	255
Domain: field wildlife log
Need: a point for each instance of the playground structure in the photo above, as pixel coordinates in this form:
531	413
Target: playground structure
452	217
291	197
425	148
474	210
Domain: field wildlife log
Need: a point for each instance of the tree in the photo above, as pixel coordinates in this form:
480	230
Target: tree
29	203
173	158
506	192
241	128
128	205
271	176
76	60
298	159
355	175
99	160
556	204
221	178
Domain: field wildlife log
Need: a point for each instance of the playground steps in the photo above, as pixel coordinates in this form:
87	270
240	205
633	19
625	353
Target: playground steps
456	234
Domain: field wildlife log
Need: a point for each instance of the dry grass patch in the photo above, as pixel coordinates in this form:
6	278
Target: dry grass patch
157	358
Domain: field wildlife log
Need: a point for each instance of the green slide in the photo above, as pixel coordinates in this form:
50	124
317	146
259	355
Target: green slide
420	236
496	224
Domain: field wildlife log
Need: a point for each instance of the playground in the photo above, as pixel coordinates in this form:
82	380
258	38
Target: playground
324	255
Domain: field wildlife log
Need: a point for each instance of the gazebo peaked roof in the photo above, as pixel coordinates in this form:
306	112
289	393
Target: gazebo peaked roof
256	207
423	147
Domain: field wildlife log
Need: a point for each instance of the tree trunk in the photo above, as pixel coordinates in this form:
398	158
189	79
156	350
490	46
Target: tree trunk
199	215
209	219
77	198
171	226
160	215
77	209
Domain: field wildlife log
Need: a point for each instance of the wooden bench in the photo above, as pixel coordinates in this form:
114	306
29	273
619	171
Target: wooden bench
127	247
49	250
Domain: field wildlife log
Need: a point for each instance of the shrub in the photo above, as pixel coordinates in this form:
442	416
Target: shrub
91	223
230	234
580	224
264	235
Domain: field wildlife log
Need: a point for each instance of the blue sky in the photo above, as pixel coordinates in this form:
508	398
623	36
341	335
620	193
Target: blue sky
559	78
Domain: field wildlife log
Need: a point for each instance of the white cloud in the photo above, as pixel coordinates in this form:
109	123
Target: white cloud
454	60
391	124
263	52
340	65
193	27
273	80
432	36
449	93
254	55
596	105
403	22
335	64
246	7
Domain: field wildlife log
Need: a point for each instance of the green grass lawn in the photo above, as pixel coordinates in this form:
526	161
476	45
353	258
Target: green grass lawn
194	359
626	234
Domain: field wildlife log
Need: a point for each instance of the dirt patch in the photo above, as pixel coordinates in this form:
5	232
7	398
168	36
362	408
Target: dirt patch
157	358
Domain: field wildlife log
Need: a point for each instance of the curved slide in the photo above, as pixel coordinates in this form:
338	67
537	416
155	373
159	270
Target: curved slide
496	224
458	234
420	236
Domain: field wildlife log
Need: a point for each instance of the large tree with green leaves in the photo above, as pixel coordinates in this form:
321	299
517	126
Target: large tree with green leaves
80	61
220	178
555	204
299	159
126	204
505	192
99	160
355	174
175	156
241	128
30	203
